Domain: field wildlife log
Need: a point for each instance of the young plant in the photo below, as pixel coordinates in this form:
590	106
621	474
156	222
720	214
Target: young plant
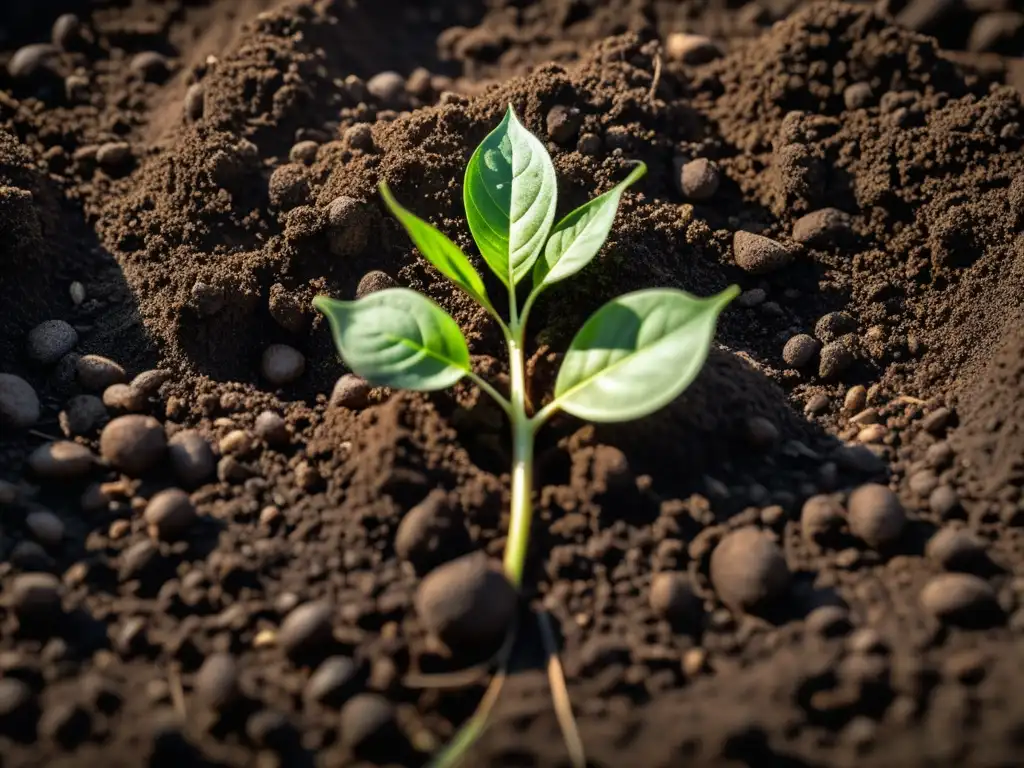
633	356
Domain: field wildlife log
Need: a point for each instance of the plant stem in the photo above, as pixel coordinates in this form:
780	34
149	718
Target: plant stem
522	465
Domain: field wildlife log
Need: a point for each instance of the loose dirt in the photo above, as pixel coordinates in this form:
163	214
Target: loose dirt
177	181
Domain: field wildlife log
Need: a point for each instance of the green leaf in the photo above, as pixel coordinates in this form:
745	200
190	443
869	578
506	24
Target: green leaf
397	338
578	237
510	193
637	353
439	250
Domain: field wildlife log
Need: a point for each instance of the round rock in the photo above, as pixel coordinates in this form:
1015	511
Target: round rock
699	179
36	598
960	599
62	460
288	187
191	458
133	443
368	724
836	357
758	254
48	342
216	683
748	570
822	227
944	501
66	31
306	628
282	364
170	514
45	527
672	597
272	429
821	520
114	155
956	549
387	87
19	403
96	372
876	515
467	602
800	350
428	534
563	122
374	281
348	223
351	391
82	415
18	707
151	65
32	60
333	682
832	325
122	397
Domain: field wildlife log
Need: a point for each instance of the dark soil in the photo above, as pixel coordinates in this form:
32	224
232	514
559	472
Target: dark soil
172	209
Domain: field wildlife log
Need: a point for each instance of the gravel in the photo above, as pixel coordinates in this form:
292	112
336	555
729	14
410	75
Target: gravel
48	342
306	629
45	527
216	682
35	598
170	515
823	227
19	403
699	179
96	373
350	391
272	429
800	350
335	680
191	458
282	364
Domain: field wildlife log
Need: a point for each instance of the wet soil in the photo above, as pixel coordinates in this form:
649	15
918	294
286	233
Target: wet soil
852	455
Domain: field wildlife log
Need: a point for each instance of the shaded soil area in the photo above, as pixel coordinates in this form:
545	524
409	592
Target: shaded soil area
212	555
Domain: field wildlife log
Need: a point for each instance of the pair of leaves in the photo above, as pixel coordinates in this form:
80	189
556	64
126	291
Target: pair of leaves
510	195
633	356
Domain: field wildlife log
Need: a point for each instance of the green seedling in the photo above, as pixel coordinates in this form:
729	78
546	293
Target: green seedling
633	356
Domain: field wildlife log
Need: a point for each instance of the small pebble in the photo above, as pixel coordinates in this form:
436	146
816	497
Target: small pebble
66	31
691	49
563	122
939	455
96	373
19	403
48	342
672	597
944	501
32	60
800	350
374	281
859	458
857	96
170	515
937	421
864	417
216	682
368	725
272	429
282	364
304	152
65	722
151	65
45	527
61	460
36	598
148	383
922	483
195	101
9	493
833	325
429	534
828	621
349	226
758	254
208	299
114	155
287	309
333	682
191	458
288	187
699	179
18	707
752	298
237	441
876	515
856	398
467	603
821	520
133	444
835	358
956	549
360	137
269	730
589	144
873	433
77	293
823	227
761	433
748	570
307	628
387	87
350	391
121	397
817	403
960	599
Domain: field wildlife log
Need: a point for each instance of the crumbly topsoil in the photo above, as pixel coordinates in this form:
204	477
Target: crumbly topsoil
194	197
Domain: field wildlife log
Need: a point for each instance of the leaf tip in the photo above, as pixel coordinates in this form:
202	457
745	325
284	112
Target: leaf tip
320	303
